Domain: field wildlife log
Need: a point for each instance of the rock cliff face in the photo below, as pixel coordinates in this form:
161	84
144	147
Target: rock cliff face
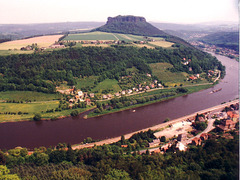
131	25
125	19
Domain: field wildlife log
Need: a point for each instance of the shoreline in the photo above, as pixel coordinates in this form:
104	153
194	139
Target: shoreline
155	127
120	110
153	102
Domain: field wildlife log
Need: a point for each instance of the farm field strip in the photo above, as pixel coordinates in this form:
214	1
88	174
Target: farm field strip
91	36
42	41
162	43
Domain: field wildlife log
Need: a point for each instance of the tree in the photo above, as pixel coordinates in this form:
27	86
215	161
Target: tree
74	113
4	174
116	174
163	139
41	159
2	159
123	141
37	117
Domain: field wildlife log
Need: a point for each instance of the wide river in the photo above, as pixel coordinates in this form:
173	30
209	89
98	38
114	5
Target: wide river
74	130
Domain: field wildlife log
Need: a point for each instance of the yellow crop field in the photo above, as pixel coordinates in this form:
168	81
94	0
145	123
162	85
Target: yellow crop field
42	41
163	44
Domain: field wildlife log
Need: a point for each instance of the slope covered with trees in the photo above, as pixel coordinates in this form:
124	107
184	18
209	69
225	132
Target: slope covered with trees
43	72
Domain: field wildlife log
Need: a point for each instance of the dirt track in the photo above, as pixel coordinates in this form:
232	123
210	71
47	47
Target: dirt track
112	140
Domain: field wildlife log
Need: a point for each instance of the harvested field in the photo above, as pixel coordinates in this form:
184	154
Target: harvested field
42	41
163	44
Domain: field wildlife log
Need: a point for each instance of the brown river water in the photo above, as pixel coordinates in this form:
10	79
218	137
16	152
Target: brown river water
74	129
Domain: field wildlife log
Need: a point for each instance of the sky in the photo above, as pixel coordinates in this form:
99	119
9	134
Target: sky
172	11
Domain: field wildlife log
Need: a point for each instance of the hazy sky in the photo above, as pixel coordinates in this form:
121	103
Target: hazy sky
176	11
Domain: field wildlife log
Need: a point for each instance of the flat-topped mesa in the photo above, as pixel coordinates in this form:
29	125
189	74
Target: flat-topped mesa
125	19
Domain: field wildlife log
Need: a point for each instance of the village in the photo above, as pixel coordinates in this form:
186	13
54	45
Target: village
79	96
180	135
218	50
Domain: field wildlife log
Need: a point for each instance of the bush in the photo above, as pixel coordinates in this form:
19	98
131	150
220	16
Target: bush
74	113
163	139
37	117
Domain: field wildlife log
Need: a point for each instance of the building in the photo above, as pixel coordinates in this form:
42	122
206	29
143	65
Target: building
105	96
91	95
227	125
88	101
196	141
182	137
181	146
204	136
155	143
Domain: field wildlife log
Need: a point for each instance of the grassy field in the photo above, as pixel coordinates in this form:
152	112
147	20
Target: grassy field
30	108
166	76
171	79
145	45
116	36
40	103
28	95
90	36
9	52
42	41
107	84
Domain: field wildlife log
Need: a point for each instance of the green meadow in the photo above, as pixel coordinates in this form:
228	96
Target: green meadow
107	84
28	96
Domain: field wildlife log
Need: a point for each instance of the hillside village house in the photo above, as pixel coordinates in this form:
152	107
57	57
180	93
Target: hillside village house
227	125
155	143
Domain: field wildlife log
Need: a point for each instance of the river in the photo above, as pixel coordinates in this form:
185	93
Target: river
74	129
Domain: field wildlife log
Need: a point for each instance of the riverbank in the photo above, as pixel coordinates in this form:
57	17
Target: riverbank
150	93
156	127
18	112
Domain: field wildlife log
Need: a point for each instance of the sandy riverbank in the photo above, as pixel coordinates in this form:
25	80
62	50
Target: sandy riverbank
156	127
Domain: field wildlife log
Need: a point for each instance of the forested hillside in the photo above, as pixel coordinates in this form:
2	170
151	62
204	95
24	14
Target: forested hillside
43	72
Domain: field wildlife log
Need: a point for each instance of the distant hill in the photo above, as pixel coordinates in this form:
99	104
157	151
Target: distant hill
131	25
223	39
19	31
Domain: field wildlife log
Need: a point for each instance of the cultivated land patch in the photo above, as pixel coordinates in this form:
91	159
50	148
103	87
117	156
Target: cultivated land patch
161	71
107	84
27	95
42	41
90	36
162	43
6	109
86	82
104	36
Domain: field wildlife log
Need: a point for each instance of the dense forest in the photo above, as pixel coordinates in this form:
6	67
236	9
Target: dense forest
216	159
44	71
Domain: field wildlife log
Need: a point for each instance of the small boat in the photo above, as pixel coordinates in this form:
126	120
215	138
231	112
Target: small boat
214	91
